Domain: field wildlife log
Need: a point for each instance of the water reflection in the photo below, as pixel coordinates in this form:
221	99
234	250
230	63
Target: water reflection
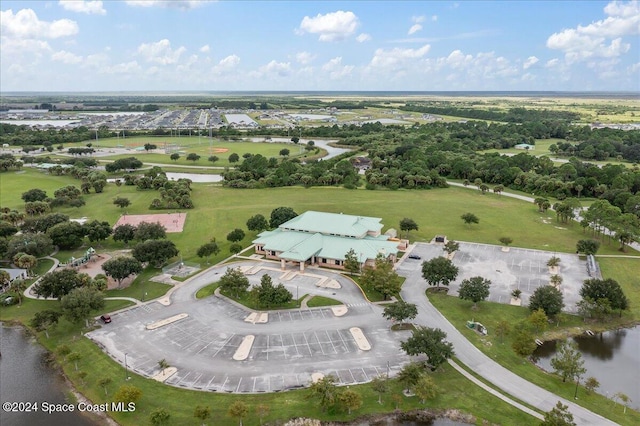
613	358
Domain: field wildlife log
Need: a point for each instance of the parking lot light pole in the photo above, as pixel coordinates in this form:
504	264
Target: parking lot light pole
126	370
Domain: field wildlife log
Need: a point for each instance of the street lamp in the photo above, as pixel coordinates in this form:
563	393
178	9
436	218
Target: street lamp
126	370
575	395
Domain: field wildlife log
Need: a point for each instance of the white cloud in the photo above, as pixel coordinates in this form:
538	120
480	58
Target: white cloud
552	63
160	52
434	18
414	29
397	56
205	49
336	70
418	19
81	6
304	57
226	65
601	38
531	60
177	4
66	57
131	67
632	69
25	24
333	26
363	37
281	69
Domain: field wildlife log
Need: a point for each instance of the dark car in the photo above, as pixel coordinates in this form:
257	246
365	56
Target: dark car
105	318
414	256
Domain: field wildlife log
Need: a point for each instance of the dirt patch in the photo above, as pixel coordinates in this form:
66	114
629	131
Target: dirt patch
172	222
220	150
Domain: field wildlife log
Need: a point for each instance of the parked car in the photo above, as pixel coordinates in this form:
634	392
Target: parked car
414	256
106	318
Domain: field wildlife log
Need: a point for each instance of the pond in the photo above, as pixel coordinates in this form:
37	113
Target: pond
612	357
26	377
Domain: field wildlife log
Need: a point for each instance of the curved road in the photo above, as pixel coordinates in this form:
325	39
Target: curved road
413	291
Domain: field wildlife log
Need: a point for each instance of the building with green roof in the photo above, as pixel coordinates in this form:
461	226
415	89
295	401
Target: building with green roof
323	239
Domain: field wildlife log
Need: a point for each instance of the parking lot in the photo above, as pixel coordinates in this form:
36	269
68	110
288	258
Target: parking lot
286	351
523	269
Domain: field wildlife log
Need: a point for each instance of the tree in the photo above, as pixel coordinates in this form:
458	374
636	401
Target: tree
553	262
202	413
351	263
523	342
74	357
104	382
382	278
587	247
156	252
439	270
124	233
78	304
538	319
568	362
238	409
34	195
7	229
558	416
624	398
234	158
325	390
547	298
502	329
163	364
36	208
25	261
281	215
506	241
542	203
213	158
60	283
17	287
608	289
150	147
193	157
67	235
34	244
120	268
470	218
261	411
175	156
269	295
475	289
425	388
159	417
498	189
380	385
555	280
351	399
97	231
234	281
4	278
122	202
407	225
257	223
235	248
44	320
284	152
150	231
429	341
208	249
451	246
410	374
236	235
400	311
127	394
591	384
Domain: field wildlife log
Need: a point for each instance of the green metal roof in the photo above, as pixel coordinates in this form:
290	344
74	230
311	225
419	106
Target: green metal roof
334	224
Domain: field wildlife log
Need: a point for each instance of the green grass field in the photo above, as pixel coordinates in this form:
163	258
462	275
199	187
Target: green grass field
458	312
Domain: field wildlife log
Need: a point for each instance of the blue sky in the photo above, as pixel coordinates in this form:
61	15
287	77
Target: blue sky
319	45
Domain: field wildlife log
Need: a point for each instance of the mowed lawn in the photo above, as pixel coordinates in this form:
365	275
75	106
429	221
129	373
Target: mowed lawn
219	210
186	145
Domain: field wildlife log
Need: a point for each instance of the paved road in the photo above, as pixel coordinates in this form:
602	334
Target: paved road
413	291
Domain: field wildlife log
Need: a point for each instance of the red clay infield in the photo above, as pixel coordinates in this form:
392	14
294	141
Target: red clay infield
172	222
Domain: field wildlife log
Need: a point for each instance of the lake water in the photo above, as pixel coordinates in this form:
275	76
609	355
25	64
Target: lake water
612	357
26	377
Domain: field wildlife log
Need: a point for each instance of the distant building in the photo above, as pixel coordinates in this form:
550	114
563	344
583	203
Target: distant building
525	146
323	239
